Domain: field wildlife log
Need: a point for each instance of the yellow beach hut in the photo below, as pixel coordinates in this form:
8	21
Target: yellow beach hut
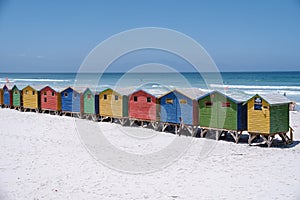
30	98
268	115
114	103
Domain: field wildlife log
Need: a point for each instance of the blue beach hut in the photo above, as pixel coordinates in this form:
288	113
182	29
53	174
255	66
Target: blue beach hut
180	106
71	100
7	95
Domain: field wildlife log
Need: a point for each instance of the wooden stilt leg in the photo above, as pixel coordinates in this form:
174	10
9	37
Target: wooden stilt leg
218	134
131	122
176	130
251	138
164	127
203	133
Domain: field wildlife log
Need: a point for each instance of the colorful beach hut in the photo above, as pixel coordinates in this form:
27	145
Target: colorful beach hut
114	103
268	115
31	98
1	96
50	100
72	101
223	112
180	106
91	104
17	97
144	106
7	95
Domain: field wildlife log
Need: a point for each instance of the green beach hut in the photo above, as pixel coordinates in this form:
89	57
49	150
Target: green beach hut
17	97
90	103
223	112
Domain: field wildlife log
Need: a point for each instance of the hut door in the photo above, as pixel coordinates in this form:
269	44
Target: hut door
172	109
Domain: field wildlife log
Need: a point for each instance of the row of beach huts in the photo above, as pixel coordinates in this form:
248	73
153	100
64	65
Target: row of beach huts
192	110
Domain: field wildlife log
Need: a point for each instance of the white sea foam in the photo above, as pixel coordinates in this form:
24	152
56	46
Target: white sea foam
38	80
271	87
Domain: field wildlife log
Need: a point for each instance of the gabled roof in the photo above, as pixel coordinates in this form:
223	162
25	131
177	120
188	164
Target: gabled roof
53	88
35	87
156	92
273	98
9	86
77	89
235	96
192	93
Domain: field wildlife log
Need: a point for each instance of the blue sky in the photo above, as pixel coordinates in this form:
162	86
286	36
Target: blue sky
240	35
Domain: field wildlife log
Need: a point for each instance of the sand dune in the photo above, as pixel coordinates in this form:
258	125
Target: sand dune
50	157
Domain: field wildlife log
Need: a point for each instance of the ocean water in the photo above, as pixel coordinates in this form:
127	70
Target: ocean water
284	83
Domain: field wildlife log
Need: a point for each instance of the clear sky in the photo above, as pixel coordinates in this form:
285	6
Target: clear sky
240	35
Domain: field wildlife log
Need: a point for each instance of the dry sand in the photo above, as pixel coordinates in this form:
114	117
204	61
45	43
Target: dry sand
43	157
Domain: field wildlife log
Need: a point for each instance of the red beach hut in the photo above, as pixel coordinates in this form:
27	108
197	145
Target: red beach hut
50	99
144	106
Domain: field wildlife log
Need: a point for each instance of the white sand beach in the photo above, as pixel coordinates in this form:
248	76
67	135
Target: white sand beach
43	157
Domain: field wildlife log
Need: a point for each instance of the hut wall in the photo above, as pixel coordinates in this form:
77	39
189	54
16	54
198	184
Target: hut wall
124	106
89	102
242	117
217	111
30	98
226	113
70	100
141	109
1	96
50	99
279	120
112	105
258	120
175	105
7	96
168	108
16	96
207	112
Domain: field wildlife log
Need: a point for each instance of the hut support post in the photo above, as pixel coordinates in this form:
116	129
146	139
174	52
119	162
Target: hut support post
203	133
131	122
95	118
236	135
218	134
164	127
192	130
268	140
122	121
155	125
251	138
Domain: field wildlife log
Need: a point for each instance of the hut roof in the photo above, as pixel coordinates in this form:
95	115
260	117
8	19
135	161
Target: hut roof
156	92
125	91
192	93
235	96
53	88
9	86
35	87
273	98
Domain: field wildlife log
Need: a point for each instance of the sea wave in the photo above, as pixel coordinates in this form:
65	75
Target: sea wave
265	87
33	80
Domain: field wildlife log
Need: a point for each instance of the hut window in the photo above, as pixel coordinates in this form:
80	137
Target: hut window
208	104
105	96
135	98
53	93
89	96
183	101
148	99
26	91
225	104
257	103
65	94
33	92
45	93
45	99
16	91
116	97
169	101
75	94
